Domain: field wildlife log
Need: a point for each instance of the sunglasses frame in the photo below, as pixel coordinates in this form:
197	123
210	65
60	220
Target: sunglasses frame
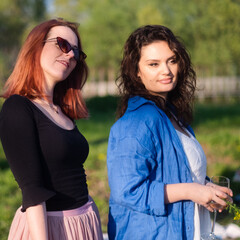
79	55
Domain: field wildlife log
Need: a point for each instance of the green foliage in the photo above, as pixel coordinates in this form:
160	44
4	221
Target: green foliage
235	210
149	14
106	31
106	24
10	196
209	29
15	16
217	128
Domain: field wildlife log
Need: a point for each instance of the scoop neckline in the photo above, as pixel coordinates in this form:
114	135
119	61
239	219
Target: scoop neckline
50	120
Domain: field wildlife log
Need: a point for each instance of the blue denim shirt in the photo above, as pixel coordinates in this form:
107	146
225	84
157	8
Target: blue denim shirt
144	154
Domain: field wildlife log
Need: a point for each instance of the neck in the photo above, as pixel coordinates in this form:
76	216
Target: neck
48	90
49	96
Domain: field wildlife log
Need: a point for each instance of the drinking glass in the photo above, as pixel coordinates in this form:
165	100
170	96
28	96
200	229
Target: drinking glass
224	182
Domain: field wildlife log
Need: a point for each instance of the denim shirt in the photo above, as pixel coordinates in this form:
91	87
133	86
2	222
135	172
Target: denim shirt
144	154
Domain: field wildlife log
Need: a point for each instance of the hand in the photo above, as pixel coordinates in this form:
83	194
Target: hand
223	189
206	194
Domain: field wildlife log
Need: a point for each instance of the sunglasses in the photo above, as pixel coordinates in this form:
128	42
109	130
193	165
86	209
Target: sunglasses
65	47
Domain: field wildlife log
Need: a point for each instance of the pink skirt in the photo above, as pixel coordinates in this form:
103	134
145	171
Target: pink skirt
78	224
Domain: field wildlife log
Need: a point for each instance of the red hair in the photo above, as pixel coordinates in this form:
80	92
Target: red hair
27	76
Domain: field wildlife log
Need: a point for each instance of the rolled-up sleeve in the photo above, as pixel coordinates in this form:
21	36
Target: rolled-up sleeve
19	136
132	164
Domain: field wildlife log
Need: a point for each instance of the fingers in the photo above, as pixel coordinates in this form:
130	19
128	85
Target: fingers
220	188
225	195
226	190
219	198
213	197
208	207
230	193
219	203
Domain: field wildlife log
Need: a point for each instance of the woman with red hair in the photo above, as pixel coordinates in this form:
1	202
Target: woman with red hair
43	146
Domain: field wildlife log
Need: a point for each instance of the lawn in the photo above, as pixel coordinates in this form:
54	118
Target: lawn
217	127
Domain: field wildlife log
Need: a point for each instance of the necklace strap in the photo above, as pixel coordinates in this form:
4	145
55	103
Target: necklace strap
51	105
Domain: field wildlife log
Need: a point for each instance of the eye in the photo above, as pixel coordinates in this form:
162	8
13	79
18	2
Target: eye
173	61
153	64
56	44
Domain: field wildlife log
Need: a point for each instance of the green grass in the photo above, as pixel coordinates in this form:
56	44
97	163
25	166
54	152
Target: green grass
96	130
217	127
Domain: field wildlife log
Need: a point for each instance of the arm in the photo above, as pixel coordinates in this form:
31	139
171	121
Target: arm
130	166
20	141
201	194
37	222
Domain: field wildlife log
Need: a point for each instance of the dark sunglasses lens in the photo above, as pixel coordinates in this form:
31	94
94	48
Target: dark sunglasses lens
64	45
76	54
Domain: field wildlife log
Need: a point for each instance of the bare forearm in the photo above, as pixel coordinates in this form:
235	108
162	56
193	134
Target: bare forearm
177	192
37	222
197	193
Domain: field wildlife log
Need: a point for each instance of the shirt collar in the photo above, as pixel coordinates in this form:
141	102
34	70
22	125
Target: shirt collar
136	102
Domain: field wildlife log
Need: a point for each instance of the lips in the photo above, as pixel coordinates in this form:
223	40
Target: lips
165	80
65	63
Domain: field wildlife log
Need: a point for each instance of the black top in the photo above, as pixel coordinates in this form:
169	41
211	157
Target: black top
46	160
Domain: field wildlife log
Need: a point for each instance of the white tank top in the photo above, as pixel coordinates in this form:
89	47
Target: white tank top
198	165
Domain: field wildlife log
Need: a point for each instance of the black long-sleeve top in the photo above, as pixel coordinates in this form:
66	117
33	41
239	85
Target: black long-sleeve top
46	160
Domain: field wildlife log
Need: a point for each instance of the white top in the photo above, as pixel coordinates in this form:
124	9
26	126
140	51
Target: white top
198	164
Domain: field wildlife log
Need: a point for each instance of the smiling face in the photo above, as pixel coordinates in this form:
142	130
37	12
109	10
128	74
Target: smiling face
57	65
158	68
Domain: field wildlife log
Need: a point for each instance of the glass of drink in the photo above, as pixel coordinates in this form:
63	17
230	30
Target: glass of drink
224	182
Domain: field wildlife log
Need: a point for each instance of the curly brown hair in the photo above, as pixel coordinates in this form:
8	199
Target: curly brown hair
129	84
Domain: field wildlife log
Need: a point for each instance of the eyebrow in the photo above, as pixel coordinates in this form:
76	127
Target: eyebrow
158	60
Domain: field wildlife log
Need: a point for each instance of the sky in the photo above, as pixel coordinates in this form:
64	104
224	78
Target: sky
50	7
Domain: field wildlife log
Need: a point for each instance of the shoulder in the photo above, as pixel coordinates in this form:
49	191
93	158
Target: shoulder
16	101
143	108
147	111
16	105
142	116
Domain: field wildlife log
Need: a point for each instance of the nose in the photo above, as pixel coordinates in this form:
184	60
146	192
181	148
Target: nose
165	69
70	54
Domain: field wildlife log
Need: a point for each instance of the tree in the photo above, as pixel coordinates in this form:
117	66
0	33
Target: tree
16	16
209	29
106	24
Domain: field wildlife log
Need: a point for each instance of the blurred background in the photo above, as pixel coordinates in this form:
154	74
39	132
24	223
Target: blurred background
210	29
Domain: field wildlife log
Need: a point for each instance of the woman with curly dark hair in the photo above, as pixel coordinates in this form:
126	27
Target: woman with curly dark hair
156	167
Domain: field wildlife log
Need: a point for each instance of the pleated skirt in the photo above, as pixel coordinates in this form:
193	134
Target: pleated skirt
78	224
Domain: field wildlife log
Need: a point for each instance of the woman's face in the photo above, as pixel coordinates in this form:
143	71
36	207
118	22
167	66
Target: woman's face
158	68
57	65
